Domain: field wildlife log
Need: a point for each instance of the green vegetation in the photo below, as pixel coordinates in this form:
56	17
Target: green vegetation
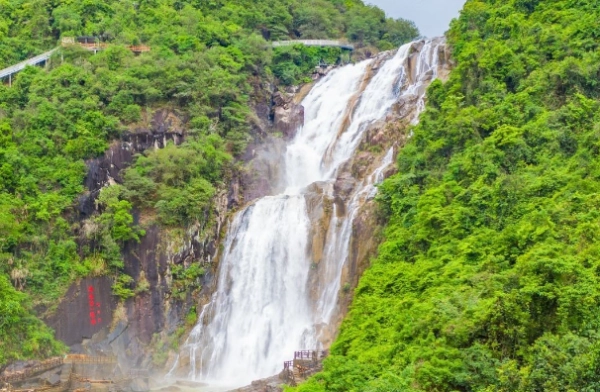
207	60
21	334
293	64
178	181
488	279
185	280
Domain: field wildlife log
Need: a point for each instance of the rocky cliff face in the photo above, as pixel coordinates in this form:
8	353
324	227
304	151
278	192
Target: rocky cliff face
90	319
263	170
389	133
155	131
142	331
347	197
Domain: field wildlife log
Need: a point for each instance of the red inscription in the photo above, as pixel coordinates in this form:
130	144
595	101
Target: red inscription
94	307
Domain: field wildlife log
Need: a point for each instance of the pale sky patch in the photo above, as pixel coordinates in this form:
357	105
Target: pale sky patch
431	16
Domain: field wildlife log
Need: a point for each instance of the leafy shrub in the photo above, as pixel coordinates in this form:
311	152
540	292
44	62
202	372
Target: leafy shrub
488	277
206	60
185	279
123	287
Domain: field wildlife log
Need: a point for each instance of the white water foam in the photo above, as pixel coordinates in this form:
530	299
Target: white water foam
261	312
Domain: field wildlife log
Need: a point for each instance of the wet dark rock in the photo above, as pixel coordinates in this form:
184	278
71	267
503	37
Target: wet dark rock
282	99
322	71
262	174
292	89
52	379
271	384
85	310
289	119
167	122
164	127
344	186
405	106
417	46
18	366
139	385
234	196
318	187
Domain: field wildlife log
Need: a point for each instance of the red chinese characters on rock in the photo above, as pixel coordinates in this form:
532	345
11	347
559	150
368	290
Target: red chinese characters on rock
94	307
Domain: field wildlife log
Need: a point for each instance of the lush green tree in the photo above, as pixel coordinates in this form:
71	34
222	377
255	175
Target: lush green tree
208	60
488	276
21	334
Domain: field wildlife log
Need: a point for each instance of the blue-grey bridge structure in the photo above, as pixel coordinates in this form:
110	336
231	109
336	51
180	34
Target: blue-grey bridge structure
40	59
45	57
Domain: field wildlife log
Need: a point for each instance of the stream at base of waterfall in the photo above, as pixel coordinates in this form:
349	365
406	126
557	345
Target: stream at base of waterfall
264	307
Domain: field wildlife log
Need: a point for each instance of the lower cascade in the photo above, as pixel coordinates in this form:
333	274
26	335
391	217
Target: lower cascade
275	293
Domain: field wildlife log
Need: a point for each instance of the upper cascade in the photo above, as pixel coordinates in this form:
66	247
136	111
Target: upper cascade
264	306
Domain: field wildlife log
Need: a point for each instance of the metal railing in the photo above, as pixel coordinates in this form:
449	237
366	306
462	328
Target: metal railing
66	41
87	359
21	66
305	354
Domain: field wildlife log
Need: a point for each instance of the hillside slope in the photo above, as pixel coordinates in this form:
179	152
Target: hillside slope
489	277
209	61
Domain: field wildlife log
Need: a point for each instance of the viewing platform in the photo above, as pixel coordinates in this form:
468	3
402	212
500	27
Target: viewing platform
305	364
315	42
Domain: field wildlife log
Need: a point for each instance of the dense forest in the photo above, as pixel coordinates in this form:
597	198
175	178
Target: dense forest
489	276
205	58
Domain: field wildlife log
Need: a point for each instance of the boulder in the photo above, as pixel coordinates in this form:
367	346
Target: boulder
344	186
282	99
287	121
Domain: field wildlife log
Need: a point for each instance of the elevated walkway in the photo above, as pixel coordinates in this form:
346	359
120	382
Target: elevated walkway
305	364
91	45
10	71
314	42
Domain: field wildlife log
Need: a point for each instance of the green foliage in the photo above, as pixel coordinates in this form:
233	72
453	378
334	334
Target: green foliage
293	63
178	180
116	219
191	318
185	280
488	277
21	334
142	285
123	287
370	26
208	59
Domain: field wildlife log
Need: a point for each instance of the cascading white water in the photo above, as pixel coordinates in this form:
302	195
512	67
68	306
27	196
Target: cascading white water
264	273
338	242
325	108
261	312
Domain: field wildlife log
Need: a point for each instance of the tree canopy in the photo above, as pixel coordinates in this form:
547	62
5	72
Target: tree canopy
206	60
488	278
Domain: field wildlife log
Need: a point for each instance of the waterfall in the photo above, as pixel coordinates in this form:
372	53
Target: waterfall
263	309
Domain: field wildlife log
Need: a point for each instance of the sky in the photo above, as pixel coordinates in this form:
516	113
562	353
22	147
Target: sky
431	16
